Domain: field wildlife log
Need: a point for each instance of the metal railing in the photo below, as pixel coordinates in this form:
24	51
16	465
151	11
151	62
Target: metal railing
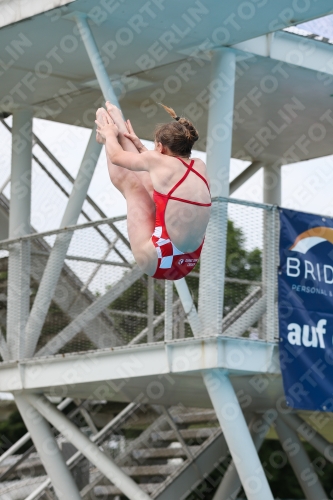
101	301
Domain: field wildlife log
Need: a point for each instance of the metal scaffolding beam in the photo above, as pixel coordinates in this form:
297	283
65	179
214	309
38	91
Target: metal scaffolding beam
24	439
95	57
189	307
299	461
19	225
90	313
247	319
271	196
230	485
237	435
150	309
48	450
244	176
310	434
128	410
57	256
90	450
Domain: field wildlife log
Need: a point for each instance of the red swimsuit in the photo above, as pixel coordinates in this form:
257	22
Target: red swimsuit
172	263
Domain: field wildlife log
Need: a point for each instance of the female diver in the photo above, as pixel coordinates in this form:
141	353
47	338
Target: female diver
167	194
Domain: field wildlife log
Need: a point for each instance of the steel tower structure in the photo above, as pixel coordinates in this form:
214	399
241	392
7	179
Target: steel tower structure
237	68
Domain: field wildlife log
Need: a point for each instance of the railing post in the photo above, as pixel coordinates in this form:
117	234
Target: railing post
168	308
19	225
150	325
269	273
271	195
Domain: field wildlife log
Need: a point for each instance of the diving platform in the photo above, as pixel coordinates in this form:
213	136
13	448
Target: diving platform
159	371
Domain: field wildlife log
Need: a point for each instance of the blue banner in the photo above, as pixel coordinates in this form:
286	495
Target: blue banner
306	309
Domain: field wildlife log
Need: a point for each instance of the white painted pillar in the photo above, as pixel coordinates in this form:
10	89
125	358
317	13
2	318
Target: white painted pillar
300	462
168	308
19	225
230	485
237	435
57	256
219	141
272	196
272	184
230	415
48	450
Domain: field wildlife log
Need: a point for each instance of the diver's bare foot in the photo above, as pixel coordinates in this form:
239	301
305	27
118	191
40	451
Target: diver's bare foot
117	117
101	115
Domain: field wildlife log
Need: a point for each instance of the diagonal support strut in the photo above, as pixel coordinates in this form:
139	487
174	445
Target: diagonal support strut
90	450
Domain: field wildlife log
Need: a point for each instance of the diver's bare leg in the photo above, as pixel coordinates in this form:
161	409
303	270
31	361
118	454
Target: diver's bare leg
140	216
117	174
140	211
127	144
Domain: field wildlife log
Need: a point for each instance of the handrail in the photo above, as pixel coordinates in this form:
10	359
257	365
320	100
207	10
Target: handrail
66	229
236	201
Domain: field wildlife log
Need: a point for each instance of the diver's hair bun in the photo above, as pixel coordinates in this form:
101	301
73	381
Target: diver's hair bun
190	131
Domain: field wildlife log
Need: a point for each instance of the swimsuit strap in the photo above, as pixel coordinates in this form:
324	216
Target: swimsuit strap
190	166
189	169
191	202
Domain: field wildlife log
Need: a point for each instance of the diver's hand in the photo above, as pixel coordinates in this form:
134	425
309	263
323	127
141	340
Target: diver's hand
134	138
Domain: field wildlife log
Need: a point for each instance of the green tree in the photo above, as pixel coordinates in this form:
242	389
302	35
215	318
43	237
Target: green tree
240	264
11	430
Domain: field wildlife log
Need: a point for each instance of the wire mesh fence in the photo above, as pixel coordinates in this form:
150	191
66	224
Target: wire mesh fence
96	297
